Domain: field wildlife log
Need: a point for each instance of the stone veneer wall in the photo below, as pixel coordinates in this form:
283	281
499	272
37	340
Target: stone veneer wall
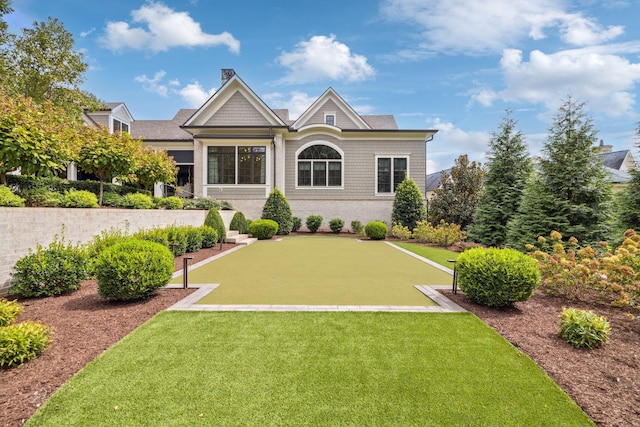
23	228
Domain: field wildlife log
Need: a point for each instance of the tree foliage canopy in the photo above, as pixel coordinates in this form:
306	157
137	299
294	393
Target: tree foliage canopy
507	170
456	198
573	191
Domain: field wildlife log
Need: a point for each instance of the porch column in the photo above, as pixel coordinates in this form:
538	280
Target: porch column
199	169
279	157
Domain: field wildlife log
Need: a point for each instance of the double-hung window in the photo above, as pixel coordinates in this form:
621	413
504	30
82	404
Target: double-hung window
236	165
319	166
391	171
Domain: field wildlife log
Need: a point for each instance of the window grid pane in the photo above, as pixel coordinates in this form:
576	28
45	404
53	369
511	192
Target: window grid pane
399	171
335	174
384	175
319	173
304	173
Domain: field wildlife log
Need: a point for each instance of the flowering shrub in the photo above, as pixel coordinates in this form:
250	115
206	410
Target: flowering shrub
444	234
400	231
588	273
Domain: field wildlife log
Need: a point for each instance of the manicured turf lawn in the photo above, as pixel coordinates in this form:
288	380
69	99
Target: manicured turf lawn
318	271
438	255
300	368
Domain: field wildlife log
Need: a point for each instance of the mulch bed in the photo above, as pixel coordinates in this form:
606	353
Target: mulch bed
605	382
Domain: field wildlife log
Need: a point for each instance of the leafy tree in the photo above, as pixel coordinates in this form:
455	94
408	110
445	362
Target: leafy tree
408	205
504	182
456	199
153	166
573	192
107	155
277	208
37	139
629	199
43	65
5	37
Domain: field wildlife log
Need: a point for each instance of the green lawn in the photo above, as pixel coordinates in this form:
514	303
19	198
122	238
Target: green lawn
437	255
297	368
318	271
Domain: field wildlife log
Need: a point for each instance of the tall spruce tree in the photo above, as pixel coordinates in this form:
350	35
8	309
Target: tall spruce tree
504	181
456	198
629	199
573	191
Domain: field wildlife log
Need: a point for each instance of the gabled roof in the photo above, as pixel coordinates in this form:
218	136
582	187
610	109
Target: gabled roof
433	180
614	160
330	95
164	130
235	88
381	121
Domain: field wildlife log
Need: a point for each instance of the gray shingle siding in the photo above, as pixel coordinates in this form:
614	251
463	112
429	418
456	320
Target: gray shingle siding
342	120
237	111
359	167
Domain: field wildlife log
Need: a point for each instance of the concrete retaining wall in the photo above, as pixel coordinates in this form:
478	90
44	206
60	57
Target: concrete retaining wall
23	228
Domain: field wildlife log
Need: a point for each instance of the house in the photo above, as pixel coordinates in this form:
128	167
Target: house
115	116
330	161
618	164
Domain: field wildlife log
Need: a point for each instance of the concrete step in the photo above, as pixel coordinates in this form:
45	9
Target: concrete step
239	239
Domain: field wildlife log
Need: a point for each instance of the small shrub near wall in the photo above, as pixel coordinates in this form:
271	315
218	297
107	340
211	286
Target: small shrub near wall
400	231
277	209
9	311
313	223
137	201
356	227
336	225
7	198
214	220
238	223
133	269
209	236
583	329
297	224
263	229
497	277
376	230
49	271
79	199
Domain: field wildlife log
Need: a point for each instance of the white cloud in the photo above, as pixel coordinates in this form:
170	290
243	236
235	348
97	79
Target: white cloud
162	28
154	84
84	34
474	27
322	58
297	102
605	81
451	142
195	95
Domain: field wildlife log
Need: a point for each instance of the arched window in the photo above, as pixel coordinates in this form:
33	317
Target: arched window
319	166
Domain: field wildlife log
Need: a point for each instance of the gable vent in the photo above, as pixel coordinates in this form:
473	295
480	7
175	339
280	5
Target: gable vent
226	74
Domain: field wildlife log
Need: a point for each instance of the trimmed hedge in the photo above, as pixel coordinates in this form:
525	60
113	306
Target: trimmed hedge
215	221
313	223
133	269
238	223
376	230
263	229
336	225
497	277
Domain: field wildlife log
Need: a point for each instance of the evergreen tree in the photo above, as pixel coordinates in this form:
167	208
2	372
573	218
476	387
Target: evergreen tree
573	189
504	181
629	199
456	198
408	204
277	208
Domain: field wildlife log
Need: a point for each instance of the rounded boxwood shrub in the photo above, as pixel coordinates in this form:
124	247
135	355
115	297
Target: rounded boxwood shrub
277	208
57	269
22	342
209	236
297	224
313	223
7	198
111	199
263	229
376	230
171	202
9	311
336	225
133	270
79	199
136	201
497	277
194	238
177	239
583	328
238	223
214	220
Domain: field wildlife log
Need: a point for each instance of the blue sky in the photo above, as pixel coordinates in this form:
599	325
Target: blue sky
451	65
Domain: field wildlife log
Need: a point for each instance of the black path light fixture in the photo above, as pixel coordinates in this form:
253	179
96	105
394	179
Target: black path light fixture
185	272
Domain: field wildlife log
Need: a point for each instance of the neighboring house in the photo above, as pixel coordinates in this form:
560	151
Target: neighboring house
433	182
330	161
115	116
617	163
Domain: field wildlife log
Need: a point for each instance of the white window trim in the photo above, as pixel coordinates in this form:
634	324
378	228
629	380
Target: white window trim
390	156
335	119
323	187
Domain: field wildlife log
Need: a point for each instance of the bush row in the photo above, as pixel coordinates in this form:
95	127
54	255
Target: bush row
61	267
443	234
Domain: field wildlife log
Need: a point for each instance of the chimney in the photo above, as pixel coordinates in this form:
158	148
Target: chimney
603	149
227	73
